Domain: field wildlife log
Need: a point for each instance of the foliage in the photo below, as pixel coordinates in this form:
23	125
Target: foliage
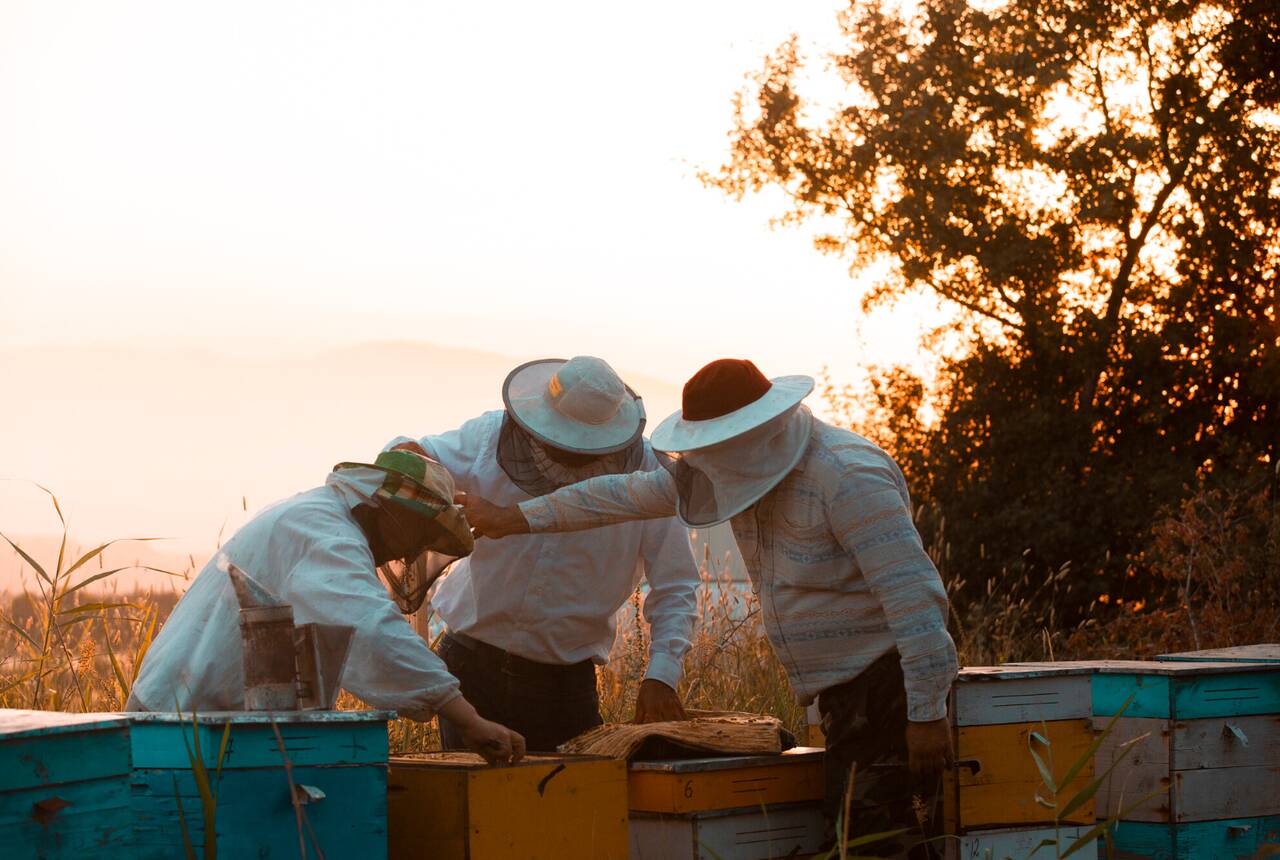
1094	187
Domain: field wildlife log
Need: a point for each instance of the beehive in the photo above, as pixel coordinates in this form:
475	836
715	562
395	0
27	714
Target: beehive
995	711
338	774
451	806
1211	749
728	806
1264	653
64	785
1021	842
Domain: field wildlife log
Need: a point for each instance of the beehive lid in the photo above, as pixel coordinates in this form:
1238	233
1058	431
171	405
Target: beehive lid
1021	693
16	723
1261	653
1154	667
1020	671
470	761
795	755
220	718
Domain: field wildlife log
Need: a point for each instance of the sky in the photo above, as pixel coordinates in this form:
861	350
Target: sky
277	181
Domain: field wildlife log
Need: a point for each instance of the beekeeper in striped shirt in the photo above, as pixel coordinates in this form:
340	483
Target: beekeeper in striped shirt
852	603
529	619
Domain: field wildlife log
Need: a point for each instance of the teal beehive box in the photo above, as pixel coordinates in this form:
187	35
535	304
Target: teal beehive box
64	785
333	791
1203	741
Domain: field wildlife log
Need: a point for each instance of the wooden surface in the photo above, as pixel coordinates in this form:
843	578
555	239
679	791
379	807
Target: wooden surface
1019	843
988	696
1002	791
342	756
728	783
757	834
1238	838
1208	771
64	786
1263	653
554	807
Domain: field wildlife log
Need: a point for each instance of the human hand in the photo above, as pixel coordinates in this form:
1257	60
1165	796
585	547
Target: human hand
489	520
656	702
929	747
495	742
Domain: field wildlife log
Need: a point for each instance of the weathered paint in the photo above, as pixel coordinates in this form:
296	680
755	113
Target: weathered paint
1263	653
744	834
1236	838
343	754
1000	783
1020	843
992	695
446	807
64	785
730	782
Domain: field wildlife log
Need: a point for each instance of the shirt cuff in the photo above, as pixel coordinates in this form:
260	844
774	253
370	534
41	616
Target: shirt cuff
423	715
926	709
539	514
664	668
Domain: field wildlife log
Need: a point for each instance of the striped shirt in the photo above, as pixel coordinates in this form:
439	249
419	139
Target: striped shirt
833	552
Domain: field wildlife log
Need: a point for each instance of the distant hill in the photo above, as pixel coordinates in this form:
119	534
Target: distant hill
183	443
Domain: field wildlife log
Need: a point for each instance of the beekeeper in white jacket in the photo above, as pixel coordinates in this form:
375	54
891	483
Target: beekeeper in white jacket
319	551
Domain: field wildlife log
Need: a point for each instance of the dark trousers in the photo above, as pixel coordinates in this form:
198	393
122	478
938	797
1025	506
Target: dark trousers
546	703
865	723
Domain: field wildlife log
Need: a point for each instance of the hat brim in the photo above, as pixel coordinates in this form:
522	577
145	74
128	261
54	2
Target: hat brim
524	395
676	435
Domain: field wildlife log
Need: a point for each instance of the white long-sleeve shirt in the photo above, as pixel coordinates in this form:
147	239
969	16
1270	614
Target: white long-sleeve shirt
552	598
310	552
840	568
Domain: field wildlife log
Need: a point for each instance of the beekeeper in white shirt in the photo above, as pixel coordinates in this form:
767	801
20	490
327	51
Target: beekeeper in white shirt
318	551
529	618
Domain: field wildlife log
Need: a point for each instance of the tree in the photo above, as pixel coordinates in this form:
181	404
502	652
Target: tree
1094	186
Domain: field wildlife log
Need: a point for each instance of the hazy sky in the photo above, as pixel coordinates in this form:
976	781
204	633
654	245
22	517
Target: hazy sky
515	178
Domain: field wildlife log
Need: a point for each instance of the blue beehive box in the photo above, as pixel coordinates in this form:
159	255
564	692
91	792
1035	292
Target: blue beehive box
337	772
1206	743
64	785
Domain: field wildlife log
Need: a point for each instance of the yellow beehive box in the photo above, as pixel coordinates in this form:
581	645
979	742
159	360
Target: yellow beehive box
1000	714
726	782
452	806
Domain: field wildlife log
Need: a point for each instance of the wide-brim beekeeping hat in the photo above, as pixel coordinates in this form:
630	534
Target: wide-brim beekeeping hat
579	405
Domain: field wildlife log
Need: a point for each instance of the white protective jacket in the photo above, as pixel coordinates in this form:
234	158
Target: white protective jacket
309	551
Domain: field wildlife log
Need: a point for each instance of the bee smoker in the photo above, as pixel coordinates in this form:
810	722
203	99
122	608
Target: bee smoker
287	667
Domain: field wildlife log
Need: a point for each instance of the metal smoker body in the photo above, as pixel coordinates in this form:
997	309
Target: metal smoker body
287	667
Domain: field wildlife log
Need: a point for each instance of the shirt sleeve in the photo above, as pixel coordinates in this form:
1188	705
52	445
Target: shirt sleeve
672	603
389	665
459	450
603	501
870	513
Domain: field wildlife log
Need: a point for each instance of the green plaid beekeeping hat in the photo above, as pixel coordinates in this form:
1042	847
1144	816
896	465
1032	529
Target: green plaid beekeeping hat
424	488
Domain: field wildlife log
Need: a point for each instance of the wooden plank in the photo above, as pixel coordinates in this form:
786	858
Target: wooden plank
1228	695
568	810
34	759
17	723
1262	653
253	744
1020	843
748	834
1235	838
1143	770
784	831
96	822
255	816
1226	792
1003	788
990	699
426	813
685	787
1215	743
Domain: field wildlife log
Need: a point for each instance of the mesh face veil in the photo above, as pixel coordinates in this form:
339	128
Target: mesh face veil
713	484
532	468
